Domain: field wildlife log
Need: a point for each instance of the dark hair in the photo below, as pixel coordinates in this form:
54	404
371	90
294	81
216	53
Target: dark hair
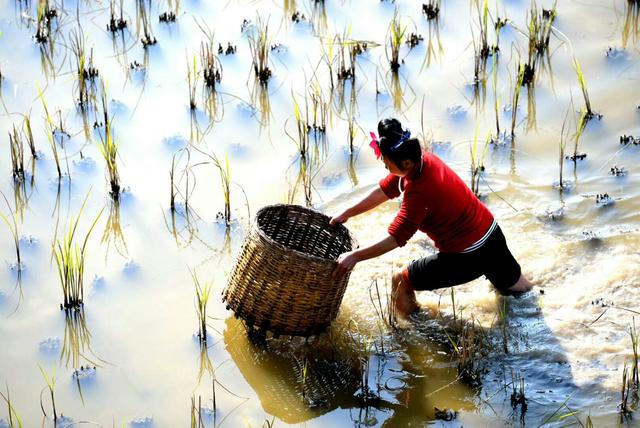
395	143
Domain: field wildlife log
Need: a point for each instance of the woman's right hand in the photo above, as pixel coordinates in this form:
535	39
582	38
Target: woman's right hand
339	219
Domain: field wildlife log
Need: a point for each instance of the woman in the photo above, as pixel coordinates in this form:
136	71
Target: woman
437	202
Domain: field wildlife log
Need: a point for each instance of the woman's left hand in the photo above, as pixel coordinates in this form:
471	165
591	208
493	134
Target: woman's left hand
346	262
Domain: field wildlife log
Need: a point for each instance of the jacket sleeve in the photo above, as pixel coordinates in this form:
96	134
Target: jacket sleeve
390	185
412	213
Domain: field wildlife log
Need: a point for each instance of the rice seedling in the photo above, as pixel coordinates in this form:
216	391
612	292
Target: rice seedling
212	75
148	39
631	26
469	349
431	9
16	147
28	133
515	97
583	87
518	397
70	258
302	140
477	161
45	14
203	293
51	386
85	72
320	111
496	100
635	375
582	124
625	410
328	57
395	39
504	324
351	129
562	146
12	223
433	41
171	14
345	70
386	314
211	67
259	47
116	24
14	418
319	17
50	130
192	80
108	147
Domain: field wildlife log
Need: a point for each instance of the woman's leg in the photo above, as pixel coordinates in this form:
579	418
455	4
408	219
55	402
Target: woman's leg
403	295
430	273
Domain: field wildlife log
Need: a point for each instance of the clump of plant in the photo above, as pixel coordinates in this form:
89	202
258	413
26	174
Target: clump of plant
469	349
70	258
229	50
16	146
148	39
431	9
395	38
203	293
630	379
108	147
85	71
629	139
171	14
414	40
45	14
518	396
259	46
119	23
212	75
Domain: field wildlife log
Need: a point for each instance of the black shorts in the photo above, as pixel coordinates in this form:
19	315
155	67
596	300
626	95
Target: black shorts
493	260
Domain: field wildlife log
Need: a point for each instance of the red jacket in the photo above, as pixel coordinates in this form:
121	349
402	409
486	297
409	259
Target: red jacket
437	202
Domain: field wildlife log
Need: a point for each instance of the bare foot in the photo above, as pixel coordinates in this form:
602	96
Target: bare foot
404	297
520	287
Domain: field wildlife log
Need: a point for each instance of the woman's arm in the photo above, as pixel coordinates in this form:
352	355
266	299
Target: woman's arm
348	260
372	200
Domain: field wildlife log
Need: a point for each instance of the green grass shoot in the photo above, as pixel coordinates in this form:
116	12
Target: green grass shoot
12	411
108	147
51	385
395	37
70	258
50	129
583	85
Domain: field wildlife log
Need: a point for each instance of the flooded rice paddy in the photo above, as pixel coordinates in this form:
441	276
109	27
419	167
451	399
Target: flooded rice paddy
208	102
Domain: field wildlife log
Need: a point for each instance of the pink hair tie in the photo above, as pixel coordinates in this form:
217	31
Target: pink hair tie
375	145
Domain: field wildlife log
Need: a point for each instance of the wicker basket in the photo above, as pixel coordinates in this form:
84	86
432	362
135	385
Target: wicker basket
282	278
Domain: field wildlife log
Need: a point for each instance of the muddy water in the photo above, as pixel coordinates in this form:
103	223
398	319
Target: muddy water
568	344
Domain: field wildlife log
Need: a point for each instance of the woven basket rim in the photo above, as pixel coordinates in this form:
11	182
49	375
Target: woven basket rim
271	241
